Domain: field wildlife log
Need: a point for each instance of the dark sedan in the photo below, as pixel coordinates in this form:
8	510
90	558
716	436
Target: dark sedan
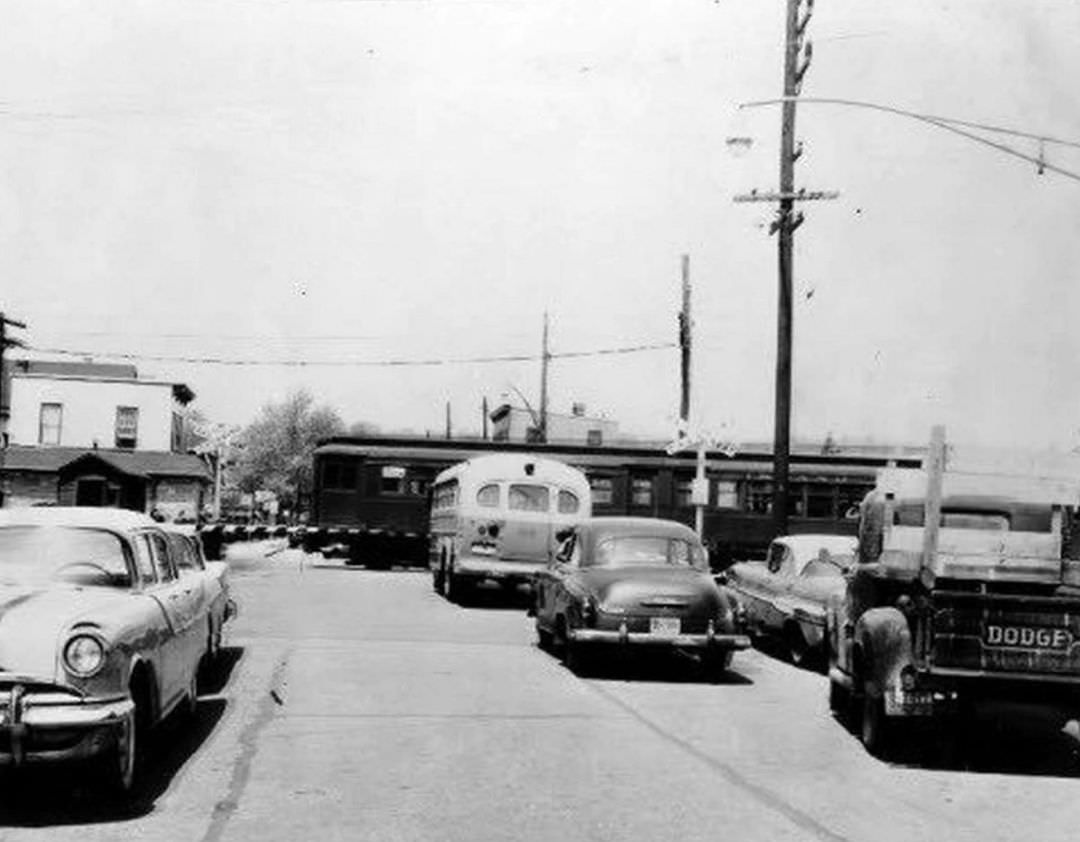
621	583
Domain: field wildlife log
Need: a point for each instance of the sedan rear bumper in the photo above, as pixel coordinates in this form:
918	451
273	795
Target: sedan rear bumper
678	641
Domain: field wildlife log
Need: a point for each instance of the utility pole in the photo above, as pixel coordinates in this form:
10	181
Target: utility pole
684	342
484	416
545	357
5	343
449	427
797	59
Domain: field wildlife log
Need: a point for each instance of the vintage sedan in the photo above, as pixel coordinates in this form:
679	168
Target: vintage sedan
632	584
211	578
787	594
100	638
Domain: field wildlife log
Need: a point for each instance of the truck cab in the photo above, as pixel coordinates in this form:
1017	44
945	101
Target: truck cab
966	589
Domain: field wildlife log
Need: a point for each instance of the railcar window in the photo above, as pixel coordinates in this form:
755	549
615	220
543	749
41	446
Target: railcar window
727	494
393	479
683	492
529	498
339	475
568	502
819	500
445	495
488	496
603	490
641	491
759	497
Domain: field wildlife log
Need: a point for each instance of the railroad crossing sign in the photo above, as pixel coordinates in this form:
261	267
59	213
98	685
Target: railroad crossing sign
686	438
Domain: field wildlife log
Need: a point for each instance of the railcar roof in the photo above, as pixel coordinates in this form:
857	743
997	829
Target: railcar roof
119	520
499	466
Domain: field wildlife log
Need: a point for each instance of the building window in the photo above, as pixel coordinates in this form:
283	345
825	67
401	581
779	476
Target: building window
49	423
127	426
178	443
594	438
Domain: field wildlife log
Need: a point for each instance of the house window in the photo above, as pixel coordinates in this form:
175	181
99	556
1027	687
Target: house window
49	423
178	443
127	426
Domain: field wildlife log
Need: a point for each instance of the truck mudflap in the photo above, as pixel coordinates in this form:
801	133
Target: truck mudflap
1015	635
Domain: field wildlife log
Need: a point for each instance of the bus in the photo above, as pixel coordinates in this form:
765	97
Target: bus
496	519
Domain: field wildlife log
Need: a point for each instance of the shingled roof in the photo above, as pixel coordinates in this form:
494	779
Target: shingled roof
140	463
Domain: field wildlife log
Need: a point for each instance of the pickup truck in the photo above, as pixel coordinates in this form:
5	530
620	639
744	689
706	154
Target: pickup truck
966	590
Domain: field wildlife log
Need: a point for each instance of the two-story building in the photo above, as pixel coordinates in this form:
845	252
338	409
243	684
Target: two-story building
512	423
95	434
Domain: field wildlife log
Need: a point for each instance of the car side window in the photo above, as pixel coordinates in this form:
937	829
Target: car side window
185	556
566	549
144	560
163	562
787	562
775	556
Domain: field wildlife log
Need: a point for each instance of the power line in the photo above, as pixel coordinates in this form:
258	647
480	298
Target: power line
391	363
950	125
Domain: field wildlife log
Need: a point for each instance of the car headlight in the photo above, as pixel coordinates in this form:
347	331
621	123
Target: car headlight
84	655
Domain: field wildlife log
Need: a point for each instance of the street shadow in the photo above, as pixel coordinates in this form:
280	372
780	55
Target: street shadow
214	677
47	797
496	598
659	667
1032	744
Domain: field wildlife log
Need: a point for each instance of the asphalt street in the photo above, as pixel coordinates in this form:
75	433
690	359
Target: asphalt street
359	705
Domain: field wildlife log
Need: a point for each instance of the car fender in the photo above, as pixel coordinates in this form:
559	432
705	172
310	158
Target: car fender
883	648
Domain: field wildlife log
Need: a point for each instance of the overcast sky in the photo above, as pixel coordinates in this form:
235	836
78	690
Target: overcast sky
406	180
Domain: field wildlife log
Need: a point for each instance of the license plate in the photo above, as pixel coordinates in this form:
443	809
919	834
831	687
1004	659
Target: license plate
665	626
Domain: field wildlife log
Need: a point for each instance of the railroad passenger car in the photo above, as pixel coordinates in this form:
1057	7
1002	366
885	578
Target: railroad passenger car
371	494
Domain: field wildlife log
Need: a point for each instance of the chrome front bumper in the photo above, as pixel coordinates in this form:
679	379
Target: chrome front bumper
39	726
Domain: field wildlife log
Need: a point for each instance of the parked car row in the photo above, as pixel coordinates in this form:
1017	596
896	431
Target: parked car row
106	618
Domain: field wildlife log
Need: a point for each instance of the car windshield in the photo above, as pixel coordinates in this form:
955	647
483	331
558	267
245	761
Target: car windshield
39	555
647	551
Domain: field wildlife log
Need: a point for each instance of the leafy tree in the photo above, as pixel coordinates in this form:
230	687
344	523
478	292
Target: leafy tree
276	449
